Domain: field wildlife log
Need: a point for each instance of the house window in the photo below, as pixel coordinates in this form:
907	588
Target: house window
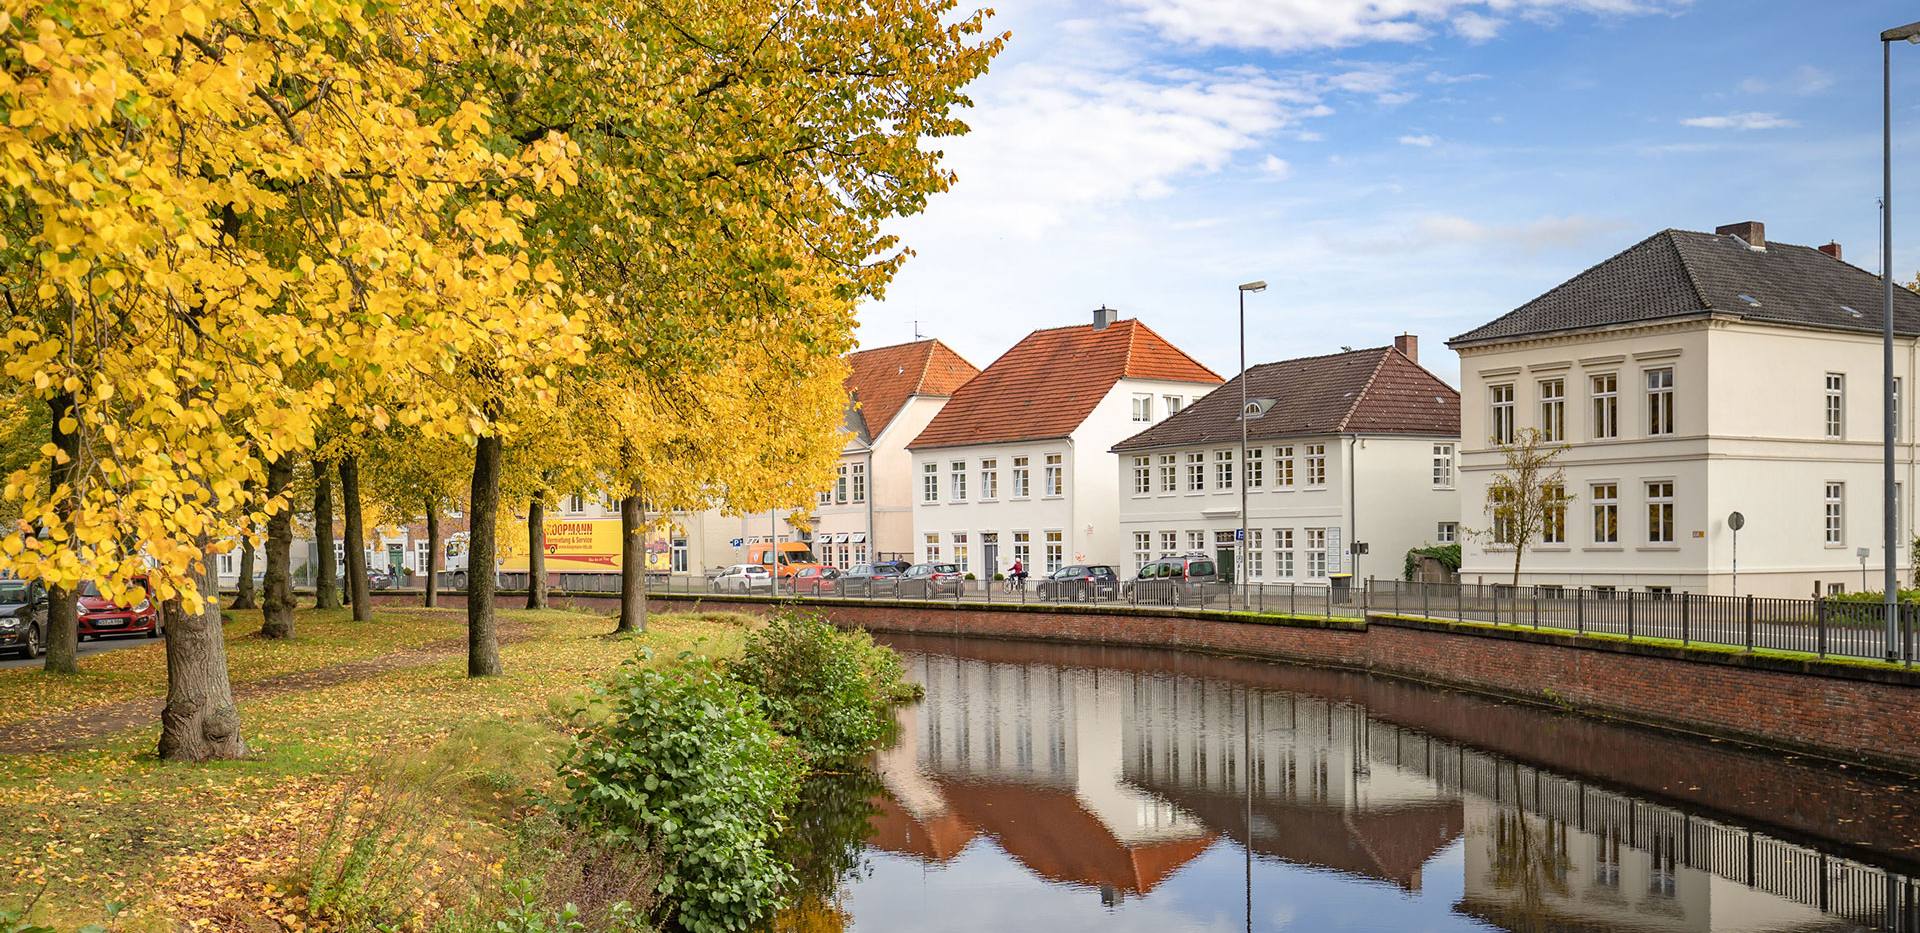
1169	542
576	504
1223	469
930	483
990	478
1256	468
859	482
1056	550
1606	513
1836	406
1196	541
932	543
1142	475
1023	550
1553	521
1443	466
1056	476
1256	554
1283	553
226	561
1196	472
1143	408
1503	517
1173	404
960	550
1836	514
1501	397
1899	416
1553	409
1142	548
1316	464
1283	467
1169	473
959	480
421	554
1660	512
824	497
1447	533
1606	406
1021	478
1660	401
1316	553
678	555
840	485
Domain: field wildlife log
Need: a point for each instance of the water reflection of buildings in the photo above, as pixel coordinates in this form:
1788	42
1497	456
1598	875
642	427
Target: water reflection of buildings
1115	778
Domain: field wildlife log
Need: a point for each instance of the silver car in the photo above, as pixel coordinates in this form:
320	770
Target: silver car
743	578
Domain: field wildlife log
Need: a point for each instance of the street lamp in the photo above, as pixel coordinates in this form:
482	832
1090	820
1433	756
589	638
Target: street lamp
1890	599
1241	545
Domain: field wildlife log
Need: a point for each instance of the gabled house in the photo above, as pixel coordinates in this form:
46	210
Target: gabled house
1692	376
1354	446
1018	465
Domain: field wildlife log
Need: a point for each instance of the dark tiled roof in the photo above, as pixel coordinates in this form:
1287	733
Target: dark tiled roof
1048	383
1373	391
884	378
1679	273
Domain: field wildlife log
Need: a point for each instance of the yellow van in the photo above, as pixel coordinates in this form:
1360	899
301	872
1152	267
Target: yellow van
795	556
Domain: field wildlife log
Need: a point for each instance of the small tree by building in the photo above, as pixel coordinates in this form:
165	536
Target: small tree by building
1527	500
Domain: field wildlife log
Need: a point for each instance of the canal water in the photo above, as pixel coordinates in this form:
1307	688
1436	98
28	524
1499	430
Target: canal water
1061	789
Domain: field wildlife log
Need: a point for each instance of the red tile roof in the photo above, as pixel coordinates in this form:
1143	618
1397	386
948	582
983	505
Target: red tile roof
884	378
1052	833
1373	391
1048	383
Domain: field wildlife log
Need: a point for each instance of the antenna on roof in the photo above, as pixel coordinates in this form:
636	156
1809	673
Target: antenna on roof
916	331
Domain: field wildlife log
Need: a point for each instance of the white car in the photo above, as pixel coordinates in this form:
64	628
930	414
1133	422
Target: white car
743	578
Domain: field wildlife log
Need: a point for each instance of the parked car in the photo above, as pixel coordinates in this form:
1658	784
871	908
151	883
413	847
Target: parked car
380	580
881	578
1173	580
23	618
101	617
1080	581
743	578
815	581
923	580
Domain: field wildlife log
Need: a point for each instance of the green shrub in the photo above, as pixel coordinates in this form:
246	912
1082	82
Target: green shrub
1447	554
688	767
830	690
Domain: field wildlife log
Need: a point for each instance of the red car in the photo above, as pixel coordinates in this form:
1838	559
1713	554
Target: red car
99	617
816	581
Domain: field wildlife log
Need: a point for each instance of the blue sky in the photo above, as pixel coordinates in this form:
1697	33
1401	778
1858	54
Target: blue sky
1387	165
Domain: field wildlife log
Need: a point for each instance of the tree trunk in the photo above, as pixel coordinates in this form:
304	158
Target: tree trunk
200	721
277	609
356	538
536	554
244	596
433	555
63	615
483	644
1517	551
633	566
326	587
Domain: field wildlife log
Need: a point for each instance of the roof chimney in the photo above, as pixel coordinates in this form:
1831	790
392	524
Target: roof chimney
1752	231
1103	316
1408	345
1831	249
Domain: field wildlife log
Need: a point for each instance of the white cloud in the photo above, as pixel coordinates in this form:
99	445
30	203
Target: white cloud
1453	231
1423	140
1276	167
1291	25
1439	77
1803	81
1740	121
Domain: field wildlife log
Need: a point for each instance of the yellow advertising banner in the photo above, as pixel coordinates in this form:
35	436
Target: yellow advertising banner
588	545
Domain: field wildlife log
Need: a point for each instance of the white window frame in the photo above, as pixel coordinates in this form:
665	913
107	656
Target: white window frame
1143	407
1173	404
1142	549
1169	542
1836	514
1283	468
1660	404
1256	468
1443	466
1500	412
960	542
1836	406
1142	475
957	480
1196	471
1023	549
1316	465
989	479
1446	533
1256	554
1056	542
1169	472
1223	469
1553	409
1283	553
1606	405
840	485
859	476
1605	511
1196	540
930	481
1661	527
1056	476
1553	521
931	541
1316	553
1022	478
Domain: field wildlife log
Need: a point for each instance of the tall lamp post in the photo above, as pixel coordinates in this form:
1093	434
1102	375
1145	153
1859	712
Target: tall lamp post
1240	546
1891	595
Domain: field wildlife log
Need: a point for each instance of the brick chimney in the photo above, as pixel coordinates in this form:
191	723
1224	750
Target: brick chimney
1408	345
1752	231
1104	316
1831	249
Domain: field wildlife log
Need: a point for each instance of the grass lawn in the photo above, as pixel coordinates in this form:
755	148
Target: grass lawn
213	846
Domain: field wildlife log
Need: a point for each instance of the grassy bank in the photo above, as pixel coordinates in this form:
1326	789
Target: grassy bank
342	708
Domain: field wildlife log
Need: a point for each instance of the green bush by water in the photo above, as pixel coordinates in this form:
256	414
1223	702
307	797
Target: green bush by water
831	690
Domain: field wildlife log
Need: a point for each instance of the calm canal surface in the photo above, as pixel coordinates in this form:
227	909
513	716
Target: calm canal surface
1064	789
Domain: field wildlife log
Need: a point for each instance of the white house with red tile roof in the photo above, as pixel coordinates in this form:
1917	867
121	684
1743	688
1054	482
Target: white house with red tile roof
1018	463
1352	446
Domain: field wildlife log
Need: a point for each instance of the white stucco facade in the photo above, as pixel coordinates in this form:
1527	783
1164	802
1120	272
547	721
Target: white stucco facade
1750	431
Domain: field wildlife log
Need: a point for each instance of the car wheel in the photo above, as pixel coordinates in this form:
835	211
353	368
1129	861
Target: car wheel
154	632
35	644
460	580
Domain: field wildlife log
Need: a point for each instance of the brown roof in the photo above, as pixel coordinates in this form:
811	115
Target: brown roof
1048	830
1373	391
938	839
1048	383
884	378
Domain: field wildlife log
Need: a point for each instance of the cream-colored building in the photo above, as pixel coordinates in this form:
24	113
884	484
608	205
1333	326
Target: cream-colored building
1351	447
1693	376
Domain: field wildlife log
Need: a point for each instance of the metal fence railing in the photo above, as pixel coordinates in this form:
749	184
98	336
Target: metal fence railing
1819	627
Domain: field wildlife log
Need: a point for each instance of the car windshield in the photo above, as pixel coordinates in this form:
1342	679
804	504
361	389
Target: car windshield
12	592
1100	570
945	568
90	589
797	557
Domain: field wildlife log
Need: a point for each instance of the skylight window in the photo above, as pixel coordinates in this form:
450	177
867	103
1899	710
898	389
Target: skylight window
1749	299
1851	311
